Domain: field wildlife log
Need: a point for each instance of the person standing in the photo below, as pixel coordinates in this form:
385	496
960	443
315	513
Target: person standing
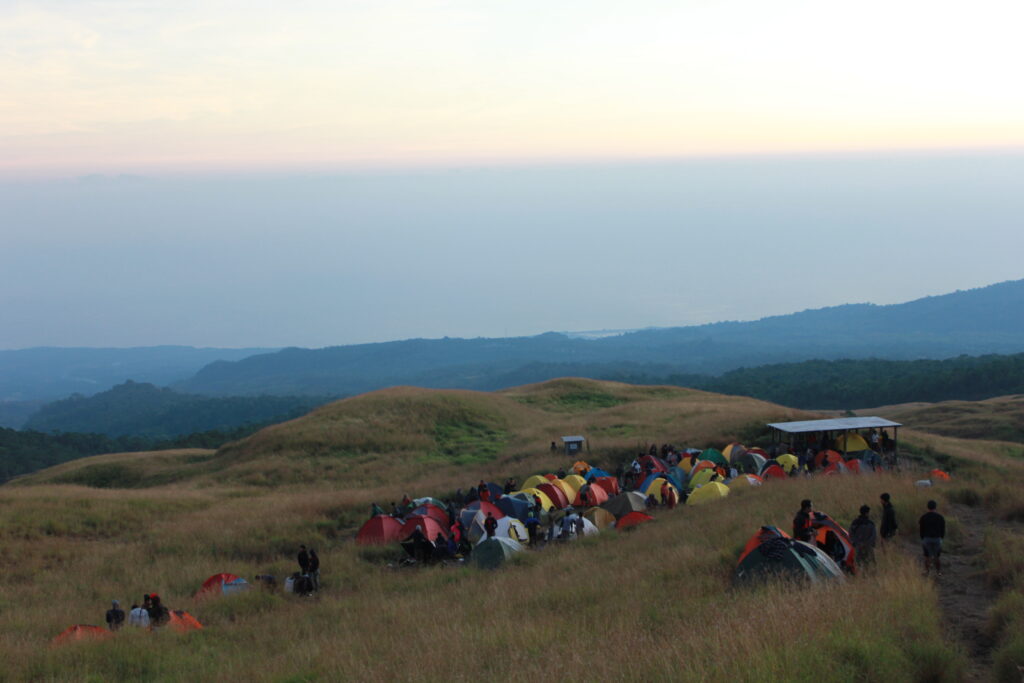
490	525
863	534
532	526
303	560
159	615
889	525
138	617
115	616
932	528
314	568
802	529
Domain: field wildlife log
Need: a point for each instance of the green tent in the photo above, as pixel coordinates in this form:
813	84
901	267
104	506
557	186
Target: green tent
490	554
771	553
624	503
715	456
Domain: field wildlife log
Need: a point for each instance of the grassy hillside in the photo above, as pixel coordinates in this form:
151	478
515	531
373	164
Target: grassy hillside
408	435
1000	418
655	604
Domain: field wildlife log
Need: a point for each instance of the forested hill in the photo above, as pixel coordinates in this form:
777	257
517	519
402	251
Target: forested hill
975	322
140	409
48	373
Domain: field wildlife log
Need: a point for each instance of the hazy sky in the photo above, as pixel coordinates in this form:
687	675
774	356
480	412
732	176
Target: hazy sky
315	173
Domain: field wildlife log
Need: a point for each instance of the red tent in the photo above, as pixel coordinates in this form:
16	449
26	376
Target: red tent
835	541
183	621
658	465
853	465
773	471
827	457
555	494
631	519
430	527
609	484
379	530
81	632
939	474
431	510
595	496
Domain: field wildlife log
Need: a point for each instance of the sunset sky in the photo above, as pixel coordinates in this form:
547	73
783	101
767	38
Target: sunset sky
315	173
128	85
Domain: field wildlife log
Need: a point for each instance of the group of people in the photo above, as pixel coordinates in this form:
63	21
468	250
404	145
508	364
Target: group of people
864	535
307	580
151	614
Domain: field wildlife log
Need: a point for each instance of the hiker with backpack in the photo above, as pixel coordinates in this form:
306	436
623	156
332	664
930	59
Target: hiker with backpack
932	528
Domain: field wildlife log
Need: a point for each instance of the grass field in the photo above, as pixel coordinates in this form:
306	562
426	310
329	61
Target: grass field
654	604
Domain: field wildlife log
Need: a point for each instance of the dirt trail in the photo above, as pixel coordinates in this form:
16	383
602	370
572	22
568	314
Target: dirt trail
964	595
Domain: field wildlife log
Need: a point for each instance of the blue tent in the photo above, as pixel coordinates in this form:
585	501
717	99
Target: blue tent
515	507
595	472
660	475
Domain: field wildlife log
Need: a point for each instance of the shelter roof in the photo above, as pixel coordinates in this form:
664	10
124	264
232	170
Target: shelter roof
567	439
833	425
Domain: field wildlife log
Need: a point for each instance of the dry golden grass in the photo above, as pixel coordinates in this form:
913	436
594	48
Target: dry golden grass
654	604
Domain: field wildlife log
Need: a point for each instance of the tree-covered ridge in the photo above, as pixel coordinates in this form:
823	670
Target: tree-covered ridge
27	451
989	320
139	409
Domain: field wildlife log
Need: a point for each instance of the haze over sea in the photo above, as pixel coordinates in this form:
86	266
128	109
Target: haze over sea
323	258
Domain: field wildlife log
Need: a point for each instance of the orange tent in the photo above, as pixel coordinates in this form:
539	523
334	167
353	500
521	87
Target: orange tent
81	632
827	457
379	530
939	474
595	496
182	621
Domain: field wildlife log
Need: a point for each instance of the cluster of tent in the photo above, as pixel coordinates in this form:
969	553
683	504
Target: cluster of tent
180	621
594	496
772	553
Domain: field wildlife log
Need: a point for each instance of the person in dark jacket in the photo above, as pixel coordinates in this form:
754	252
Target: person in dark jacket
158	614
314	568
889	525
802	530
303	559
115	616
863	534
932	527
490	525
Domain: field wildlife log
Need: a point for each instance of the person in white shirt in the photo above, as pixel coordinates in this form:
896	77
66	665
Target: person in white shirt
138	617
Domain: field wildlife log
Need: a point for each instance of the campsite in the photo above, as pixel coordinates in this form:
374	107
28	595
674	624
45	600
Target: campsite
181	518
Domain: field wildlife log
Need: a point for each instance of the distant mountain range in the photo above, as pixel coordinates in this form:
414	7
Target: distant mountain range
975	322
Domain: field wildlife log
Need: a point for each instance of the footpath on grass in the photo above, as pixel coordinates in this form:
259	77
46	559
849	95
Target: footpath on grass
965	595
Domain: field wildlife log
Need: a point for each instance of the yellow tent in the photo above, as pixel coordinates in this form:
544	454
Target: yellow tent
727	451
788	462
569	493
534	481
702	477
708	493
576	482
545	502
655	489
744	481
851	443
580	466
601	518
684	464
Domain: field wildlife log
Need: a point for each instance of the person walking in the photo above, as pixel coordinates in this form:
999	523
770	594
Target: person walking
802	529
863	534
115	616
889	525
932	528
